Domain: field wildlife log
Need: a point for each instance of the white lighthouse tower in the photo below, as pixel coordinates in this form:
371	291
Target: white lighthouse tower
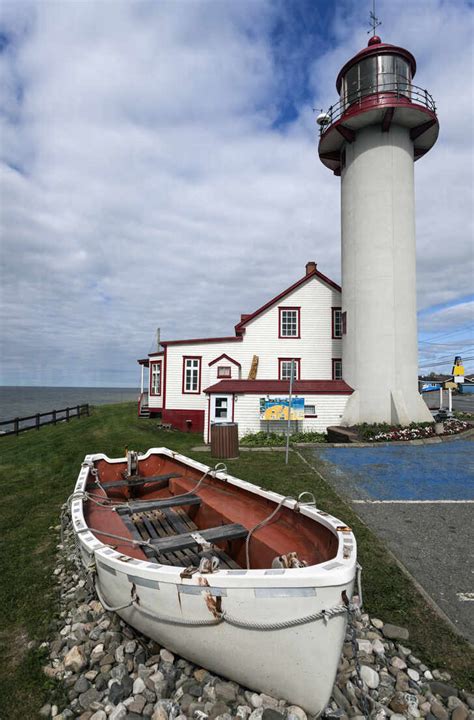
371	139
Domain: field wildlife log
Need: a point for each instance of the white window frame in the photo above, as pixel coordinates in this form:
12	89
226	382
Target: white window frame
191	375
154	374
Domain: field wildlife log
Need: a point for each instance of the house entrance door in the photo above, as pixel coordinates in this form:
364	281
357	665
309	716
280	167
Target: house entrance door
221	408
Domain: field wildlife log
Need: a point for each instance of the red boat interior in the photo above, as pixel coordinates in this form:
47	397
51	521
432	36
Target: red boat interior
179	523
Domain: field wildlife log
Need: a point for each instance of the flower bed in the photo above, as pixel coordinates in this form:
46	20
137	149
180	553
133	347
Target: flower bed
415	431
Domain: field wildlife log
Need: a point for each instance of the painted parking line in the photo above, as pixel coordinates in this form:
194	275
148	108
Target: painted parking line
465	597
412	502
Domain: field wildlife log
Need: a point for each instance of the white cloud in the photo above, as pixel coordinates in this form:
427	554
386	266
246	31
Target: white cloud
154	188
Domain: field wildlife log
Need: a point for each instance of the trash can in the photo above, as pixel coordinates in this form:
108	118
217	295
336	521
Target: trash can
225	440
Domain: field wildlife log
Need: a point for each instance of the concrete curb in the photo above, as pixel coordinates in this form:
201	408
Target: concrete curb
421	441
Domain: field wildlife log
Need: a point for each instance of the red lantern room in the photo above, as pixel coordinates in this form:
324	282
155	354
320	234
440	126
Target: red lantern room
376	88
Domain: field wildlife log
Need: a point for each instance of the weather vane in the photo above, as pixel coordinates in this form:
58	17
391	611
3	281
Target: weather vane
374	21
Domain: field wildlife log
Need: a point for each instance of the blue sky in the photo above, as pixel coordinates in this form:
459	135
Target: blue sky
159	168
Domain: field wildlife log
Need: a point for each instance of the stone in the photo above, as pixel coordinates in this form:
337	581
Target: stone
219	708
438	710
398	703
118	713
130	647
99	715
226	691
138	686
427	675
75	659
82	685
413	674
137	704
200	675
294	712
398	663
378	647
394	632
45	711
442	689
377	623
397	716
166	656
365	646
268	701
116	693
369	676
271	714
87	698
460	713
255	700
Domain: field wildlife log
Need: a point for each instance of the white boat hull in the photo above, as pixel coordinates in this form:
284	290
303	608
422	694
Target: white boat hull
296	663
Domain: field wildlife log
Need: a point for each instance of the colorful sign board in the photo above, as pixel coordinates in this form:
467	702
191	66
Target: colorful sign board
458	370
277	408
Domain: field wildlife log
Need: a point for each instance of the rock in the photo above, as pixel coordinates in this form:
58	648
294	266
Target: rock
365	646
137	704
138	686
440	688
82	685
427	675
200	675
396	716
460	713
255	700
226	691
399	703
438	710
119	713
413	674
268	701
116	693
294	712
160	712
45	711
394	632
398	663
369	676
130	647
87	698
75	659
271	714
166	656
99	715
378	647
220	708
377	623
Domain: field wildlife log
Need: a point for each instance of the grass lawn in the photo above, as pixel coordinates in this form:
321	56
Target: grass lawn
37	474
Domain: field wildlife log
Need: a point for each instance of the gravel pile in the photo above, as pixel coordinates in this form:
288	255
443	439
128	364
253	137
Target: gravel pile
111	672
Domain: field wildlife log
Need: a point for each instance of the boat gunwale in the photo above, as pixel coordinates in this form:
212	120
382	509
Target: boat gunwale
336	571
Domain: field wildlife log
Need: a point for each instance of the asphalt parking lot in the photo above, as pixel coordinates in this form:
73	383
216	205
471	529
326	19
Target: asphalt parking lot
420	501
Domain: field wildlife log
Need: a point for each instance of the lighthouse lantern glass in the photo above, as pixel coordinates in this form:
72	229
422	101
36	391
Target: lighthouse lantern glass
376	74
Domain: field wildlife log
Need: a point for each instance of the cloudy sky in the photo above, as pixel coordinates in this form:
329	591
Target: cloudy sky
159	169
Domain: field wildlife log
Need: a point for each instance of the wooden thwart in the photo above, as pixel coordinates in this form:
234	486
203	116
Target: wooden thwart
159	504
233	531
160	480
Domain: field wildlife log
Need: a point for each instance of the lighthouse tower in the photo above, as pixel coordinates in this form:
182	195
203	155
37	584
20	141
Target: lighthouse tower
371	138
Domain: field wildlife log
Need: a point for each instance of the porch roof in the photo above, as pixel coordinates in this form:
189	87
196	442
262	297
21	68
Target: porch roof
281	387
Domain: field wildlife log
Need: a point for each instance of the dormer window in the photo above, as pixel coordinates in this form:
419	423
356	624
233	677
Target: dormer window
289	322
224	371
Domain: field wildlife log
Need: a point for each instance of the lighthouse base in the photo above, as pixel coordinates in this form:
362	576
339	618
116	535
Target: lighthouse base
398	410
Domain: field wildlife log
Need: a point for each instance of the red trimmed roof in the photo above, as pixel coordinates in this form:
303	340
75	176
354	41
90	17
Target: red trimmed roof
247	318
267	387
227	357
231	338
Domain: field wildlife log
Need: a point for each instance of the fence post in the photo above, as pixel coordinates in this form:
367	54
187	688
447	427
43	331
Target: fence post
54	417
17	425
37	421
78	411
67	414
87	409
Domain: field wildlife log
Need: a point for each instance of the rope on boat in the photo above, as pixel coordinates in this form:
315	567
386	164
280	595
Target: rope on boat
225	617
261	524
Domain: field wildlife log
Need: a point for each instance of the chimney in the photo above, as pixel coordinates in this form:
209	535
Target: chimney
158	335
310	267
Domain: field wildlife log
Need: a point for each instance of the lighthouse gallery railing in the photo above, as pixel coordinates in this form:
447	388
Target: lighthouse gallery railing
383	90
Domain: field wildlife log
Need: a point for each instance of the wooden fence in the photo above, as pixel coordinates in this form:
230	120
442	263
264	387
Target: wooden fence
36	421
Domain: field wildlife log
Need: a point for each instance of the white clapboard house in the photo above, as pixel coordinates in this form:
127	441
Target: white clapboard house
194	383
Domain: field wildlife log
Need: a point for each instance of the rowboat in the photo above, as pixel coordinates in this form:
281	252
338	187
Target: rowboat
247	583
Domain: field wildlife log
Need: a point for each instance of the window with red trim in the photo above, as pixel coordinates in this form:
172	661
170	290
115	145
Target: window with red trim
155	378
336	369
284	368
336	322
192	375
224	371
289	322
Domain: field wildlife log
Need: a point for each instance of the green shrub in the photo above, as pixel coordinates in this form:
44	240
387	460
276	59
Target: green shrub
263	439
